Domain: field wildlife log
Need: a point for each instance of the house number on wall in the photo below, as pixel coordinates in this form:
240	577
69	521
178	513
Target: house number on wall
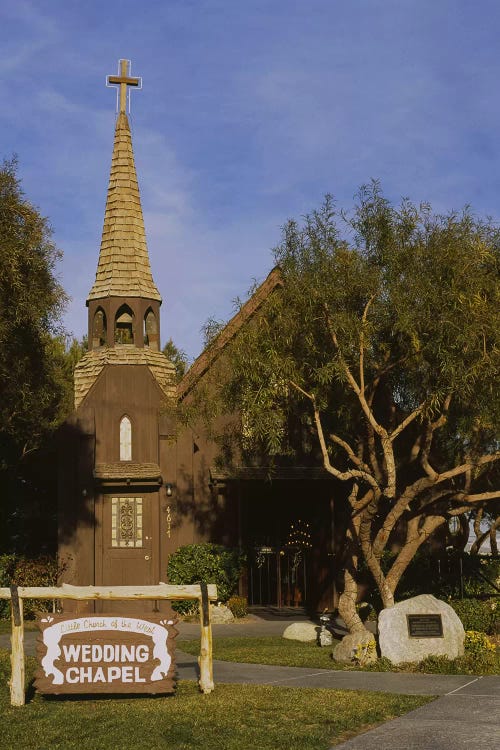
169	521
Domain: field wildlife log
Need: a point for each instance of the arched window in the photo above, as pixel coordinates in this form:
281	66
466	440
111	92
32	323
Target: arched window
125	439
99	329
151	330
124	331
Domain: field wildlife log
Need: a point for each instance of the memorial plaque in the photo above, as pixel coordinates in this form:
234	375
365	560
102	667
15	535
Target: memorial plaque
425	626
105	654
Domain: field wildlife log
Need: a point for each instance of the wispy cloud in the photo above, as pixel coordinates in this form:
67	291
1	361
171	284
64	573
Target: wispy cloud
248	115
26	33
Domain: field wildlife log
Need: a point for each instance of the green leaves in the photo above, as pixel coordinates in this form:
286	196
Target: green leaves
210	563
35	370
178	357
31	301
401	301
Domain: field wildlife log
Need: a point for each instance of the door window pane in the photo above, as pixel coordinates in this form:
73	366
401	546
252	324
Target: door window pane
126	522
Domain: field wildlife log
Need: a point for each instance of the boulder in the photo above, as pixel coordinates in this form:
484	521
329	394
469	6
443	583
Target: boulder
220	614
356	647
398	646
301	631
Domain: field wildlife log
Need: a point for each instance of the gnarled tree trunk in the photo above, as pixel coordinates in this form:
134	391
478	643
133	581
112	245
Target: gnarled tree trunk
347	605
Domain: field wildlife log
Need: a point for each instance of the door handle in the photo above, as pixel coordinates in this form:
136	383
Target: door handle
146	557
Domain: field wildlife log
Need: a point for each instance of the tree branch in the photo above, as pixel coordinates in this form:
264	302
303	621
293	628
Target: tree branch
354	458
363	502
425	483
477	522
481	537
342	475
353	494
373	562
458	511
463	468
390	489
428	437
416	535
363	472
310	396
362	345
350	377
479	497
404	424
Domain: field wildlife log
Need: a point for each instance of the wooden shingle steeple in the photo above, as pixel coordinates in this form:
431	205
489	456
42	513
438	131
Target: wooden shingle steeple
123	269
124	302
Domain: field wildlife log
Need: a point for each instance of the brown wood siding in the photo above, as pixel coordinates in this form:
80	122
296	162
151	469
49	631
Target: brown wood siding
130	390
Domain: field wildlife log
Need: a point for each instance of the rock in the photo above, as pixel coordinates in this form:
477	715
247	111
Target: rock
356	647
301	631
397	645
220	614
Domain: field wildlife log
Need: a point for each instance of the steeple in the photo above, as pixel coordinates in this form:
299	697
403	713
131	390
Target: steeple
124	293
123	269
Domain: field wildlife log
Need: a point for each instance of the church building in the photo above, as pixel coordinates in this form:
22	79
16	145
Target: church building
132	487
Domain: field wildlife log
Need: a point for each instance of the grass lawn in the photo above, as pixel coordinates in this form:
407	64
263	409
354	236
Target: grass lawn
233	717
266	650
280	652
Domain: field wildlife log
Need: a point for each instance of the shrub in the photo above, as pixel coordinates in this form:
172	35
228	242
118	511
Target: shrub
366	611
439	574
7	566
477	614
482	574
364	653
186	607
238	606
483	661
477	643
211	563
23	571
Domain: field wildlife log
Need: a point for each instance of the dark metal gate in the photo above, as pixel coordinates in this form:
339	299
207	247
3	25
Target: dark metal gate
277	577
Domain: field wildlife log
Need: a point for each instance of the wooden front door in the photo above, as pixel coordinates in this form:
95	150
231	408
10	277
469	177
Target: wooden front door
128	553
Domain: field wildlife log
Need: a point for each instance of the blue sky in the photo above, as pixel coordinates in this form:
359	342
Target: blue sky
250	112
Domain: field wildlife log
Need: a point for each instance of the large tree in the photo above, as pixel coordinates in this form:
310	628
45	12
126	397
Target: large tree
34	372
384	341
177	357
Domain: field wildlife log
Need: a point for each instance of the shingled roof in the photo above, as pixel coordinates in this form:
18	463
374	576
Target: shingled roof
214	350
127	470
92	363
123	269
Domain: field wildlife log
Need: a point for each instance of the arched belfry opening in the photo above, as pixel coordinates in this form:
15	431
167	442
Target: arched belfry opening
124	326
99	329
125	439
151	337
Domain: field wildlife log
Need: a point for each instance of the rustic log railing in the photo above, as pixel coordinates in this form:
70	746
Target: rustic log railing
203	593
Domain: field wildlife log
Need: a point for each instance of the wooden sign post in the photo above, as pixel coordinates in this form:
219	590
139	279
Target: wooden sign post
105	654
157	677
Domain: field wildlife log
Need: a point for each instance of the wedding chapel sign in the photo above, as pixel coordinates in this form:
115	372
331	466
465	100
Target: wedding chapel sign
105	654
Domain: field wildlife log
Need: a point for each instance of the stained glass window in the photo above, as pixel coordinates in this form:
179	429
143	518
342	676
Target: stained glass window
126	522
